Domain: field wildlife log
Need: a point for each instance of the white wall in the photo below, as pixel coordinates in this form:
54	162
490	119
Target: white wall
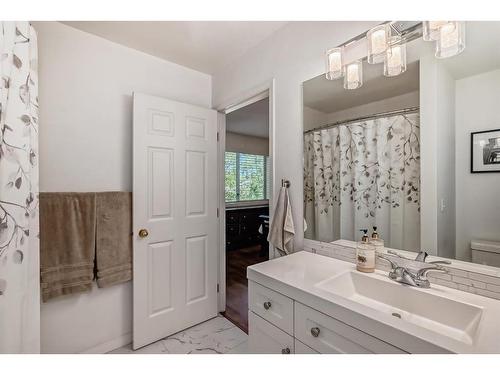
291	56
477	195
247	144
437	157
428	152
313	118
445	159
86	86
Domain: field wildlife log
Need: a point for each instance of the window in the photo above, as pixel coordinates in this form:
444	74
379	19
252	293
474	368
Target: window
245	177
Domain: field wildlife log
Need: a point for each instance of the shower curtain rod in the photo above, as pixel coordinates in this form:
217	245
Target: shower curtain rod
368	117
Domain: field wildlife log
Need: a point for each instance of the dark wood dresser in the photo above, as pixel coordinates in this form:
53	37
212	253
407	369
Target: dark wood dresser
242	226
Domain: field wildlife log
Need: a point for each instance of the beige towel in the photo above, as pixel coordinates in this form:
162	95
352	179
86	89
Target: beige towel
282	229
113	238
67	243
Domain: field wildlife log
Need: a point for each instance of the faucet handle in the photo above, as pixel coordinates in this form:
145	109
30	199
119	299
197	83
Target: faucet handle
421	256
422	273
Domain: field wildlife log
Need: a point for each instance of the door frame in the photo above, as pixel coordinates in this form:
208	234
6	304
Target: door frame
235	102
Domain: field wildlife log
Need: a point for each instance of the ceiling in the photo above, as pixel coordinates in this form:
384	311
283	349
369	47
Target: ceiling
205	46
250	120
330	96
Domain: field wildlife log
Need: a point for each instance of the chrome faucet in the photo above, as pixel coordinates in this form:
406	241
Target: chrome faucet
419	279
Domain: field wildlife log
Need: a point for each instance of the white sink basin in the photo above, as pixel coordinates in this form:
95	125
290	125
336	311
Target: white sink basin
442	315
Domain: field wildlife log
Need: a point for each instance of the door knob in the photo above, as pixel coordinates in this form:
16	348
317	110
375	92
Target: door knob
267	305
143	233
285	351
315	331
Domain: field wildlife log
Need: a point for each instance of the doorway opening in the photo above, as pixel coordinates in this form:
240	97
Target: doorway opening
247	187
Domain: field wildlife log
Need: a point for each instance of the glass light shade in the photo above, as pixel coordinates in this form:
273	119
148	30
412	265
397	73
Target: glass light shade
353	75
334	63
451	39
431	29
377	39
395	61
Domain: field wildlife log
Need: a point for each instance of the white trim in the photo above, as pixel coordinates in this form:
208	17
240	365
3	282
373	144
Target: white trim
221	149
247	102
244	98
108	346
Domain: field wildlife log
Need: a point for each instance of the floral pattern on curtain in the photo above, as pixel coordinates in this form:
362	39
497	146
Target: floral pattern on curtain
19	244
364	174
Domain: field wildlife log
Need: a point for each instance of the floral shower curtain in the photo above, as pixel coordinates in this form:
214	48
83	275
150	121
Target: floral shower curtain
19	251
364	174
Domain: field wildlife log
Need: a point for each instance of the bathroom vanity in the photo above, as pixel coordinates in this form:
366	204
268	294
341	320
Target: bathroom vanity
308	303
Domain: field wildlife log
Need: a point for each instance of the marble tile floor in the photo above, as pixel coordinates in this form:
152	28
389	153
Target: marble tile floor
215	336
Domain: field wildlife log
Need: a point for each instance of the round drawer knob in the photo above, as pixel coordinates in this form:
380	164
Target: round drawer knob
267	305
285	351
315	331
143	233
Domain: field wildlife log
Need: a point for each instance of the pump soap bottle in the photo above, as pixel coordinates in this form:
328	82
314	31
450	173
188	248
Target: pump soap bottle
377	241
365	254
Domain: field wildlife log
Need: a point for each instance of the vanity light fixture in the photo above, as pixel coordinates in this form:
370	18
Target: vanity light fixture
430	30
334	63
353	75
378	39
395	60
451	40
386	44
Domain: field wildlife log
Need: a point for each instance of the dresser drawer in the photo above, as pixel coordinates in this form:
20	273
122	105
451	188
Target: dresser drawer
272	306
264	338
301	348
328	335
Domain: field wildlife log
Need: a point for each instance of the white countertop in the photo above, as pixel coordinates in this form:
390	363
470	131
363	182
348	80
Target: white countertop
296	276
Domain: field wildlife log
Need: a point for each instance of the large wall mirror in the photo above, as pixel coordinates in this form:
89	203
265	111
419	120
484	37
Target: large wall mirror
408	153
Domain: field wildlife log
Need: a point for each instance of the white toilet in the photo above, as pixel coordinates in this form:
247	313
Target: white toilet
485	252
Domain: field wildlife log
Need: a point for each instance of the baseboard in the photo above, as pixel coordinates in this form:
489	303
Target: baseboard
108	346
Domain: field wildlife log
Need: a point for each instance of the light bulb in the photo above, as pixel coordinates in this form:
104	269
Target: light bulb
395	61
353	75
334	61
451	39
431	29
377	39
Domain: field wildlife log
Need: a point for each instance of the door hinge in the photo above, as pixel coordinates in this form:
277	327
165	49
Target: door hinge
217	288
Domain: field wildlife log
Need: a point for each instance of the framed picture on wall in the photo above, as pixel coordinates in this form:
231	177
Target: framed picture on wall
485	151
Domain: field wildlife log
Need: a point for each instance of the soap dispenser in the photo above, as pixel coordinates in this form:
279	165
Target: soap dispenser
376	241
365	254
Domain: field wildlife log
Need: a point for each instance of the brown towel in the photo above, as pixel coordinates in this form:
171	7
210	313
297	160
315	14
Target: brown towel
114	238
67	243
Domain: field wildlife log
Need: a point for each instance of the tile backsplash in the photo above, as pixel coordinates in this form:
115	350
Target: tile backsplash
467	281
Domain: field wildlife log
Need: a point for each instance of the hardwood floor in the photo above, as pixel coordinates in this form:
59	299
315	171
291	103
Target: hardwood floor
237	262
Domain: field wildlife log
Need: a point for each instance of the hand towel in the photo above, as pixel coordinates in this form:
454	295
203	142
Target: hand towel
282	229
67	243
113	238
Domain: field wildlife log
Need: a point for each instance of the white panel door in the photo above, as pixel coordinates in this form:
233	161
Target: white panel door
175	217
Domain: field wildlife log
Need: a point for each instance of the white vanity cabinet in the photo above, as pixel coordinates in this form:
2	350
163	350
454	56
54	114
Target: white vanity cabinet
308	303
278	324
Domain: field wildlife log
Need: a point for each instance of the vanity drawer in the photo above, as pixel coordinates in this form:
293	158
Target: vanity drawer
272	306
328	335
301	348
264	338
